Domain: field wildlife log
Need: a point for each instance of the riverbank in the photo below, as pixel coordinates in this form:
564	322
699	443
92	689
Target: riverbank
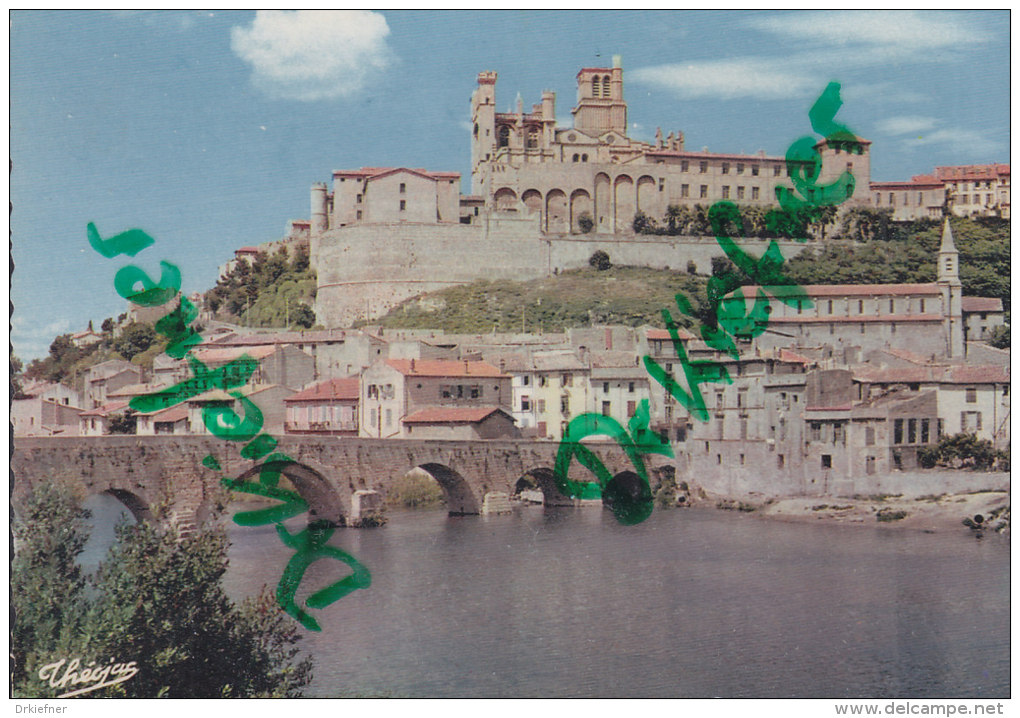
986	510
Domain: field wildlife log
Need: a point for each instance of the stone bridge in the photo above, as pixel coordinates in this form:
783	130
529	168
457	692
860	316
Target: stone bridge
144	472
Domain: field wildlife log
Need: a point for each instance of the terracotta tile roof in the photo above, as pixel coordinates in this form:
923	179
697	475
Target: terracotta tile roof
791	356
222	355
346	389
375	172
857	319
452	415
988	374
248	390
663	334
916	183
971	172
984	374
106	409
685	154
137	389
848	290
440	367
316	337
981	304
172	414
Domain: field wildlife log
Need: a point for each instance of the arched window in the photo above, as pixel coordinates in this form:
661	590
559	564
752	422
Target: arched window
575	157
605	86
503	136
584	158
532	139
596	88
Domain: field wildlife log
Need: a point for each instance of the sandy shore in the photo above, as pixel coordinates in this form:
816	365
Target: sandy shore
930	513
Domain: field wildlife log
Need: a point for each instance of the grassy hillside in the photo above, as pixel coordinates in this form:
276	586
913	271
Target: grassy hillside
630	296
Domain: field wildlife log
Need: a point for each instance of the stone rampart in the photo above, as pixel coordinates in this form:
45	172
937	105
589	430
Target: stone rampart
366	270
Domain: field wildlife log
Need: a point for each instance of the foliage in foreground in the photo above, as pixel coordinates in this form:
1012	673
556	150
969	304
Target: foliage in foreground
157	600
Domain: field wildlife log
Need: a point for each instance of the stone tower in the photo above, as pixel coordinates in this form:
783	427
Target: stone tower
952	291
600	106
483	121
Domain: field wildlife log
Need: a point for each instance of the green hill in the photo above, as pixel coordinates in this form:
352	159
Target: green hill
630	296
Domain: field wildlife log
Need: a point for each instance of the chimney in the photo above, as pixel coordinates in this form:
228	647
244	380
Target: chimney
609	338
502	366
467	367
412	366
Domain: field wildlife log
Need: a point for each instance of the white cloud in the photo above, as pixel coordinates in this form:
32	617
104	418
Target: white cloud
974	141
906	125
898	30
760	78
313	54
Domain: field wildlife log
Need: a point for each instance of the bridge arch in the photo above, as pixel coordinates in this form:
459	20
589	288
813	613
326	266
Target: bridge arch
311	484
135	504
460	499
544	479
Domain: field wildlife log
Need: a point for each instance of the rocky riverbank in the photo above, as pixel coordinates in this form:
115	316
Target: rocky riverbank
985	511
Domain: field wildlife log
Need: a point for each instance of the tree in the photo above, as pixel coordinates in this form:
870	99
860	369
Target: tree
600	260
999	337
958	450
303	316
107	325
157	600
16	367
47	584
126	423
135	339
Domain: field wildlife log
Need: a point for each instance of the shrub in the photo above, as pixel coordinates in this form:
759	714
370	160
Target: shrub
585	222
960	450
888	514
600	260
416	490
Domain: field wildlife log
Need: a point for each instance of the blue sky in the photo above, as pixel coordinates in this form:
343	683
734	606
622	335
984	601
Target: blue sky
207	129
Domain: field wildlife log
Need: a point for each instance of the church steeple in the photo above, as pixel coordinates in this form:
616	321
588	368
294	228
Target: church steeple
949	257
952	292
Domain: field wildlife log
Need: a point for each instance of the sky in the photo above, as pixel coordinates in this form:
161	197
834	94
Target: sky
207	129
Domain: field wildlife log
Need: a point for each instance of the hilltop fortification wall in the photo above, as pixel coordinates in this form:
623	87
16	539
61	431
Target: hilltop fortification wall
365	270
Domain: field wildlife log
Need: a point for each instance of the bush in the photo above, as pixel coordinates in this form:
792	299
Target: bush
600	260
585	222
416	490
960	451
999	337
888	514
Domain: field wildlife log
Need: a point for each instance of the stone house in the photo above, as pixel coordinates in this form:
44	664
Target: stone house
337	352
980	316
170	421
460	424
39	416
109	376
394	389
269	398
284	364
973	399
96	422
329	408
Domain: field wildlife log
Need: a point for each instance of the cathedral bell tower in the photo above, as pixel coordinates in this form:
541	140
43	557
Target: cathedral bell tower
600	106
952	292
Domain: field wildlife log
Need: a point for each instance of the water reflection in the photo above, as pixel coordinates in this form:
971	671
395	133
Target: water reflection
567	602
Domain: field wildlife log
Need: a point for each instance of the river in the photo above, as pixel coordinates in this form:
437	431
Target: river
690	603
